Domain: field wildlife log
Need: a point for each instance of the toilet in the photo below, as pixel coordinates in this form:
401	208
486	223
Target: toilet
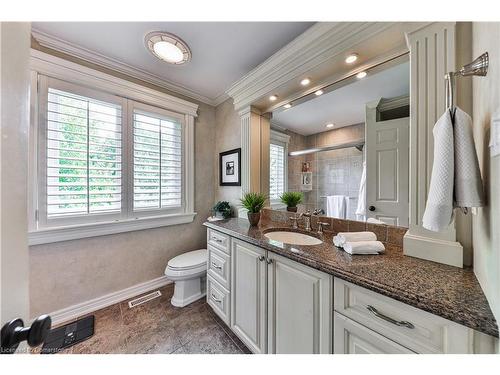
188	271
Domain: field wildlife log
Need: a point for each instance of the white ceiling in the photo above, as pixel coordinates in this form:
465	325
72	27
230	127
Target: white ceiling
222	52
346	105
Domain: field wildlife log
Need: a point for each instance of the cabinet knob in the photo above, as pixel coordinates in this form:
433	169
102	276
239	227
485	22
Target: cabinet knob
371	208
262	258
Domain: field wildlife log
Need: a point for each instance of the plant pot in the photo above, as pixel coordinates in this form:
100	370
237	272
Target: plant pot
253	218
292	209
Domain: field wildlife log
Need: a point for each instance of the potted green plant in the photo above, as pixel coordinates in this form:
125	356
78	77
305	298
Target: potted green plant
253	202
292	199
222	209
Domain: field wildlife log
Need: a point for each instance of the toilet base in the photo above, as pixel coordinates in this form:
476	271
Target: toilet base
188	291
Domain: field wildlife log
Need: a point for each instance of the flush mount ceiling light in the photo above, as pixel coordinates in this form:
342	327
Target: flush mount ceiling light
361	75
330	125
351	58
318	93
288	105
305	82
273	98
167	47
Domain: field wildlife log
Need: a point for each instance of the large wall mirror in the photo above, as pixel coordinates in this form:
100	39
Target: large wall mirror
346	147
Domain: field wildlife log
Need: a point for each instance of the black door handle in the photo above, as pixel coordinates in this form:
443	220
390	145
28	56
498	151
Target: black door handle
14	332
371	208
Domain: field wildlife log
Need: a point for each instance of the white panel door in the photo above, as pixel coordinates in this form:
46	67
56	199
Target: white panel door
353	338
387	152
248	295
299	308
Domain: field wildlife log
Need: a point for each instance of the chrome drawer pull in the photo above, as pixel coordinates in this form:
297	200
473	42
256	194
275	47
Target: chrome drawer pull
215	298
401	323
217	240
216	266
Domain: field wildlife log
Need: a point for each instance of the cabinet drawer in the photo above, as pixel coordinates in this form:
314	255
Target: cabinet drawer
415	329
353	338
219	266
219	240
218	298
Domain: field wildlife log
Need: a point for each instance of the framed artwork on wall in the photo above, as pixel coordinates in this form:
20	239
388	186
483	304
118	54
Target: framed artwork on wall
229	168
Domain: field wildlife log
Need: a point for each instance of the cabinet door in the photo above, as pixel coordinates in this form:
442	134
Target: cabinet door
300	308
248	295
353	338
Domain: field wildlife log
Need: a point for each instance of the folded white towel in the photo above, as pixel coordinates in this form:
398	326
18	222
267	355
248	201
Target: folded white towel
342	237
468	184
336	206
364	247
439	207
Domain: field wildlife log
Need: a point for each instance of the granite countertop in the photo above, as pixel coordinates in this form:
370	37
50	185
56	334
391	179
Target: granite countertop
450	292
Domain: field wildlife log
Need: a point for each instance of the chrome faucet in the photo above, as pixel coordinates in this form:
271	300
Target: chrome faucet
307	220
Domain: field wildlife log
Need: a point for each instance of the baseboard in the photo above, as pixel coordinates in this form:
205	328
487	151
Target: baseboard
75	311
440	251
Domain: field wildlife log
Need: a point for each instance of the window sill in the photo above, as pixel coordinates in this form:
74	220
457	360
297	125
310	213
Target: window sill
74	232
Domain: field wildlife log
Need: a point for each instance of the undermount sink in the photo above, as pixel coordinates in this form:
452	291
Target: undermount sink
293	238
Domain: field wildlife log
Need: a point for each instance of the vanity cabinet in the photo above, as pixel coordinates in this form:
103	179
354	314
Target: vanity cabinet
278	305
248	302
299	308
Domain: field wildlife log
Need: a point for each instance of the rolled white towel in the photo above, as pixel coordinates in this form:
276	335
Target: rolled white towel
364	247
342	237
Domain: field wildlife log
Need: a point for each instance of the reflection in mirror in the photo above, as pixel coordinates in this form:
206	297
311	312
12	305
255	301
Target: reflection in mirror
347	149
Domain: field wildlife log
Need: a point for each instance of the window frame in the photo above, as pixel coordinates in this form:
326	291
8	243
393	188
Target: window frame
279	139
87	80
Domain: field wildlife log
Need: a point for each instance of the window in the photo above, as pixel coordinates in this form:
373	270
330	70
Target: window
278	155
103	161
276	171
157	161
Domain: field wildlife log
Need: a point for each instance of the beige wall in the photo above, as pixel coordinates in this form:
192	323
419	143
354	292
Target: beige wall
66	273
14	97
486	224
227	137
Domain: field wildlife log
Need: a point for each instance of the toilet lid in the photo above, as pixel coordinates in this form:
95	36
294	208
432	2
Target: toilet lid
190	259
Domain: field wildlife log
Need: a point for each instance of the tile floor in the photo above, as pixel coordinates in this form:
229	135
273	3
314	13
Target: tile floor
158	327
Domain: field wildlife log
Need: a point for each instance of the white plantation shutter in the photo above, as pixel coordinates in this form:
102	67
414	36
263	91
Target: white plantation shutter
276	170
157	161
83	155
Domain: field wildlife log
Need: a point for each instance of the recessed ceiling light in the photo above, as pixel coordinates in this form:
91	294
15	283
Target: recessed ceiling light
273	98
287	105
329	125
167	47
319	92
305	82
361	75
351	58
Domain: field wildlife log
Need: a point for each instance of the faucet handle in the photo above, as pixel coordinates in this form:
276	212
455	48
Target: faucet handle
294	220
321	226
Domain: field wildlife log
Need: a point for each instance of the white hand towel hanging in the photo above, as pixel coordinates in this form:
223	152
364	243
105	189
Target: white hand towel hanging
336	206
455	178
361	208
468	184
439	208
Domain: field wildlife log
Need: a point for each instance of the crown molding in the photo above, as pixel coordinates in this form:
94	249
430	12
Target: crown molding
315	46
60	45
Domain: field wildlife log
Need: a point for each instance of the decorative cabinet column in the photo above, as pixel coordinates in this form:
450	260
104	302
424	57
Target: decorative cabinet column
432	55
255	133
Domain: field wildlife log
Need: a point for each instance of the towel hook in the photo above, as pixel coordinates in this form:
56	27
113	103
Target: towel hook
478	67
